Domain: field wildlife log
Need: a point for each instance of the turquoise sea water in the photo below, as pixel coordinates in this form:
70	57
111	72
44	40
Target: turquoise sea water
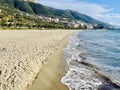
100	48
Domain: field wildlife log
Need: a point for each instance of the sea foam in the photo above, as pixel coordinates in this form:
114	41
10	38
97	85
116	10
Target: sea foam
78	76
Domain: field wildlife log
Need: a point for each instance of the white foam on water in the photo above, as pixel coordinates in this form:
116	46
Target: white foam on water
78	76
80	79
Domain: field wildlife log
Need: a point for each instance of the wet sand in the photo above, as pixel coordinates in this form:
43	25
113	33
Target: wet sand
49	77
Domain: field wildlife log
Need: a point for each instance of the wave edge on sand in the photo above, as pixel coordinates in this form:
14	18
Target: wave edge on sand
82	75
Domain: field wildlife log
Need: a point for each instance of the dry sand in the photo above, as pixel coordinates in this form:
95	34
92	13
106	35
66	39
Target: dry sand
49	77
22	55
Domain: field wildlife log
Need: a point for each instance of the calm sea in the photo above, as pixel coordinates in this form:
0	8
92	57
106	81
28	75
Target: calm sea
100	48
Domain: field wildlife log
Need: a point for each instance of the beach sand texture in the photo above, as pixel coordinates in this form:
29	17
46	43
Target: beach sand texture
23	53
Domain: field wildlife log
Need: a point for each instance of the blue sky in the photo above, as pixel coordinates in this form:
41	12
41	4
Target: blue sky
104	10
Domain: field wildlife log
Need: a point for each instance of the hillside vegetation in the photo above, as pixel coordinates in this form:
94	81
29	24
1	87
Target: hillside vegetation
21	6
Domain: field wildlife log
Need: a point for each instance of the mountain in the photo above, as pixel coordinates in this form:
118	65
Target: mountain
38	9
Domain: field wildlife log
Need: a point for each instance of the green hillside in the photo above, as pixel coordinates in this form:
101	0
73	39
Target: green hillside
38	9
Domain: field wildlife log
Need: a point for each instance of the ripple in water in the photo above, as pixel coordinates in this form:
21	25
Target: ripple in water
100	50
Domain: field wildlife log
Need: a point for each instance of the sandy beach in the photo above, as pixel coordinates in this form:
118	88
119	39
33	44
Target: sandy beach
27	56
50	75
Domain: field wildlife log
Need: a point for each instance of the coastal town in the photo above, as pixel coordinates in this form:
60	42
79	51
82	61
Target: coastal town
24	20
17	21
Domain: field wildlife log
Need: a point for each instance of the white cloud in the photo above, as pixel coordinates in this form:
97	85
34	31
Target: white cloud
100	12
112	15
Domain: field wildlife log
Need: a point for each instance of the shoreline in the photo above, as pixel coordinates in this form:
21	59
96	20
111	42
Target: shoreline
85	75
52	74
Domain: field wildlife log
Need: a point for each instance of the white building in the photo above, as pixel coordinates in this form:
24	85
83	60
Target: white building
56	20
83	24
75	25
26	14
49	19
89	26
